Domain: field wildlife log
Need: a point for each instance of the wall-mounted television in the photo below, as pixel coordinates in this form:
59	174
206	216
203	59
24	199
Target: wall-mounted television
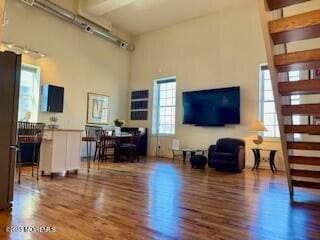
52	98
214	107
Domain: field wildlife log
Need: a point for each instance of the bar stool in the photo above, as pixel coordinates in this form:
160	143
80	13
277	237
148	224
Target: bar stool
30	134
89	139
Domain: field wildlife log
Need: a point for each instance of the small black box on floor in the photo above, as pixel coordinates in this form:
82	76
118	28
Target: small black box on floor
198	161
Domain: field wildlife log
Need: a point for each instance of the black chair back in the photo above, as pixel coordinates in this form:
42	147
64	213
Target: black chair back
108	140
228	145
135	138
30	132
99	134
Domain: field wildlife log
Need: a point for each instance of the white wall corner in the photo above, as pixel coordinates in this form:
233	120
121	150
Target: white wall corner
82	11
102	7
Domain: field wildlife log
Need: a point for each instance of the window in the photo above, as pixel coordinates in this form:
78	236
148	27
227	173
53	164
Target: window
164	107
29	93
268	113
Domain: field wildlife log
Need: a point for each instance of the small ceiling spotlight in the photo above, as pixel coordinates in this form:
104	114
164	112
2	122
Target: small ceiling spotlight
22	49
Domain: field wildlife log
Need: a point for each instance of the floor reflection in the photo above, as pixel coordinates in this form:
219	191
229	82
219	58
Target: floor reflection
164	197
25	207
276	213
28	206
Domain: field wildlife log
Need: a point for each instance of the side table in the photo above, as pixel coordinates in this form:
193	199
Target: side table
185	151
257	158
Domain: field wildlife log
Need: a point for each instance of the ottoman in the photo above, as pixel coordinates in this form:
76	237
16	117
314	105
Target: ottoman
198	161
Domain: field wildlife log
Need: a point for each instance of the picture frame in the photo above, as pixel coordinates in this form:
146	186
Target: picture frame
315	74
98	109
315	120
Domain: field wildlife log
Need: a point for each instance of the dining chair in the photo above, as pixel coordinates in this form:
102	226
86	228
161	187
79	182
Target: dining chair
108	143
131	149
99	135
29	134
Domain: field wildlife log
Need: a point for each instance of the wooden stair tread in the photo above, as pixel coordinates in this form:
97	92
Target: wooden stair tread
276	4
305	173
284	30
301	109
299	87
306	184
304	145
295	22
307	129
302	60
294	28
315	161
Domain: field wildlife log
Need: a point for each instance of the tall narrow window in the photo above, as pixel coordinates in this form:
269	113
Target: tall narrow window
164	107
268	113
29	93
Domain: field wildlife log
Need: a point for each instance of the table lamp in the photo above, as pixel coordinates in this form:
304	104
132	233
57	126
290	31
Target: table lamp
257	127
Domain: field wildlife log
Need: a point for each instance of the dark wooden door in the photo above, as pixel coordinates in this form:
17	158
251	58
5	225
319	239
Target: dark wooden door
10	67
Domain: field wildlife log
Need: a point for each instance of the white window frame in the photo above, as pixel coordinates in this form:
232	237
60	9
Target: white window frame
295	99
156	107
36	91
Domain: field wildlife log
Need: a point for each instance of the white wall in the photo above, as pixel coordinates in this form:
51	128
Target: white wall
78	61
219	50
303	8
1	16
223	49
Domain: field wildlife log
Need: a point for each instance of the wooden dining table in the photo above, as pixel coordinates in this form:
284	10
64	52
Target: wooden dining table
118	139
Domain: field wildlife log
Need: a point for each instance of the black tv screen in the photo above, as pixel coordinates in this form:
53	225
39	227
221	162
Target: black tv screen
215	107
52	98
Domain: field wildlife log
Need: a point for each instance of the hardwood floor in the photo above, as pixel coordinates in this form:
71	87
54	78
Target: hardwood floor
161	200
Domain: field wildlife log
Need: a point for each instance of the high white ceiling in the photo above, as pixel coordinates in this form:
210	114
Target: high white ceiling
139	16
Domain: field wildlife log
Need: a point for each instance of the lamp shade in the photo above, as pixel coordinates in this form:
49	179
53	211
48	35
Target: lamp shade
257	126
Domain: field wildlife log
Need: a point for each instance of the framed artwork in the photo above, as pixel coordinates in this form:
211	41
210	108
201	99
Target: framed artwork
98	109
315	73
139	105
315	120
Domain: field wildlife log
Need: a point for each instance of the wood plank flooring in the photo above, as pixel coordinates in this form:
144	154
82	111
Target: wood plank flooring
162	200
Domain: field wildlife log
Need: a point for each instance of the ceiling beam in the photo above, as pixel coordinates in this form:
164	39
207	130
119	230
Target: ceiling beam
101	7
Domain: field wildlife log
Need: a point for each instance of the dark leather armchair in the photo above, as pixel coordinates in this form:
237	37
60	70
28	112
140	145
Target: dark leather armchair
227	155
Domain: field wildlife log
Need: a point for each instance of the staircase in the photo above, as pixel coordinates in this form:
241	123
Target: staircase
303	169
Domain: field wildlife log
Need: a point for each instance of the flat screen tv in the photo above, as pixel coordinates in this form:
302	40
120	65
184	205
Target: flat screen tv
214	107
52	98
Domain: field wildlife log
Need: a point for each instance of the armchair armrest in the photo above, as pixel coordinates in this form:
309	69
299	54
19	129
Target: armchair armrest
212	148
240	155
238	149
